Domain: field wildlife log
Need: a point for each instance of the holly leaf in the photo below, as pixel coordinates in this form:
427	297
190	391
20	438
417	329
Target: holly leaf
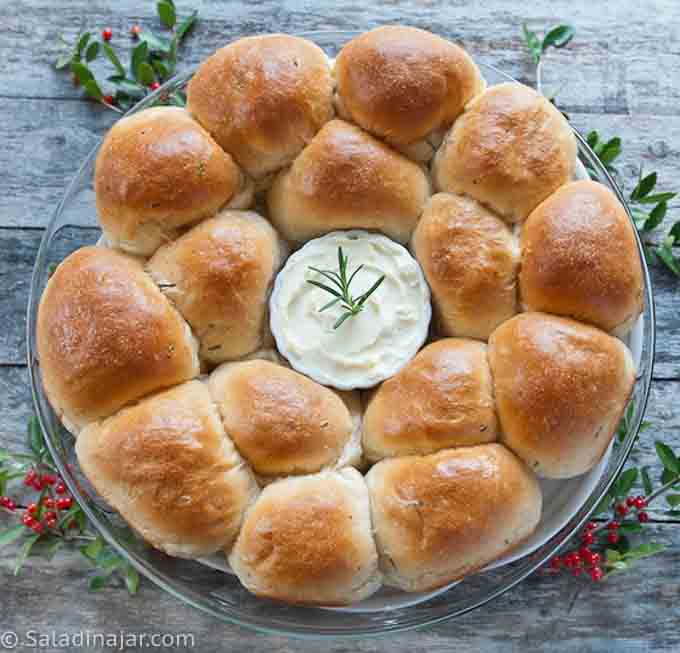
127	86
668	458
24	553
131	580
92	89
657	197
139	55
646	481
675	232
533	43
610	151
80	45
655	217
185	26
558	37
664	253
644	550
154	43
673	500
644	187
92	51
145	73
166	12
626	482
98	582
113	58
12	535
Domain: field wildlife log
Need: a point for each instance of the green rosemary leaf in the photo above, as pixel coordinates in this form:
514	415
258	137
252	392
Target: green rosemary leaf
558	37
370	291
323	286
113	58
333	302
340	321
330	275
351	276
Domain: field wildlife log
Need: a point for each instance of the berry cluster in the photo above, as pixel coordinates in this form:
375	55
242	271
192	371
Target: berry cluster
585	559
46	514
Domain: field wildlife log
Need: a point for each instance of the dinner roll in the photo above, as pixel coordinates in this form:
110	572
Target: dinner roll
510	149
166	465
346	179
106	336
219	275
441	517
309	540
263	98
284	423
158	171
561	388
470	259
580	258
402	83
442	398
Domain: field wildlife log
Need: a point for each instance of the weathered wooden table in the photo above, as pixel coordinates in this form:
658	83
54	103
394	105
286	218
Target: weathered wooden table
621	75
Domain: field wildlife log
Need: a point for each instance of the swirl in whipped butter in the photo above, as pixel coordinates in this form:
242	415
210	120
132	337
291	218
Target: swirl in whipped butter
368	347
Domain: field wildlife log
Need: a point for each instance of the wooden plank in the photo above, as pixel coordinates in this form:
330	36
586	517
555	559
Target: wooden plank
634	612
612	66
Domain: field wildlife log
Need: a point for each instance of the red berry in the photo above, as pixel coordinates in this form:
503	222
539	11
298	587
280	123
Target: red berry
50	515
597	574
64	503
29	478
11	505
49	479
27	520
595	558
591	526
630	501
640	503
51	523
612	538
576	571
643	517
107	34
154	86
73	524
49	503
556	563
621	510
37	484
61	488
32	509
4	501
613	525
38	528
107	99
135	30
587	538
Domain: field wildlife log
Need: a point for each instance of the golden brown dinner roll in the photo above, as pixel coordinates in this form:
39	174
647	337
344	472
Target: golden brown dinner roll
402	83
510	149
166	465
106	336
157	171
580	258
561	388
219	275
470	259
263	98
441	517
443	398
309	540
284	423
347	179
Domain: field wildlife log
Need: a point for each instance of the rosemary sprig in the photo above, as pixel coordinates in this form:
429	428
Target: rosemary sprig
352	305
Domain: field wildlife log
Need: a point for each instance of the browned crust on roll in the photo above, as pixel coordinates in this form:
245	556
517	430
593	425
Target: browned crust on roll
401	83
157	171
347	179
561	388
107	336
263	98
470	259
281	421
308	540
443	398
510	149
580	258
166	465
219	275
442	517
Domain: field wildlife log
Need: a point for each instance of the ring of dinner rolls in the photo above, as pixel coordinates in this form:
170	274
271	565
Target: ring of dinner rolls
282	422
263	98
259	462
573	231
561	388
220	275
309	540
470	258
107	336
166	465
510	149
402	83
346	178
158	171
441	517
443	398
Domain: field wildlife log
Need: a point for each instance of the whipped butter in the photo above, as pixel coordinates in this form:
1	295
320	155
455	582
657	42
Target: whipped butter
369	347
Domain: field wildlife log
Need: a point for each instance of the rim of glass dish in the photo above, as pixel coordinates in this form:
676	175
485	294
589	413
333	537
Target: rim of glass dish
191	598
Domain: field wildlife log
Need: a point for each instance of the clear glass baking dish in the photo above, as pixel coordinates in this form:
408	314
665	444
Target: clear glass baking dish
73	225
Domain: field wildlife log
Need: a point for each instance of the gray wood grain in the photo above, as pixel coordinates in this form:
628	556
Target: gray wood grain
619	76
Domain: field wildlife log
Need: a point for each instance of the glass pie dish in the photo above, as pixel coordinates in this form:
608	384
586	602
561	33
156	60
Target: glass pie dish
204	584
